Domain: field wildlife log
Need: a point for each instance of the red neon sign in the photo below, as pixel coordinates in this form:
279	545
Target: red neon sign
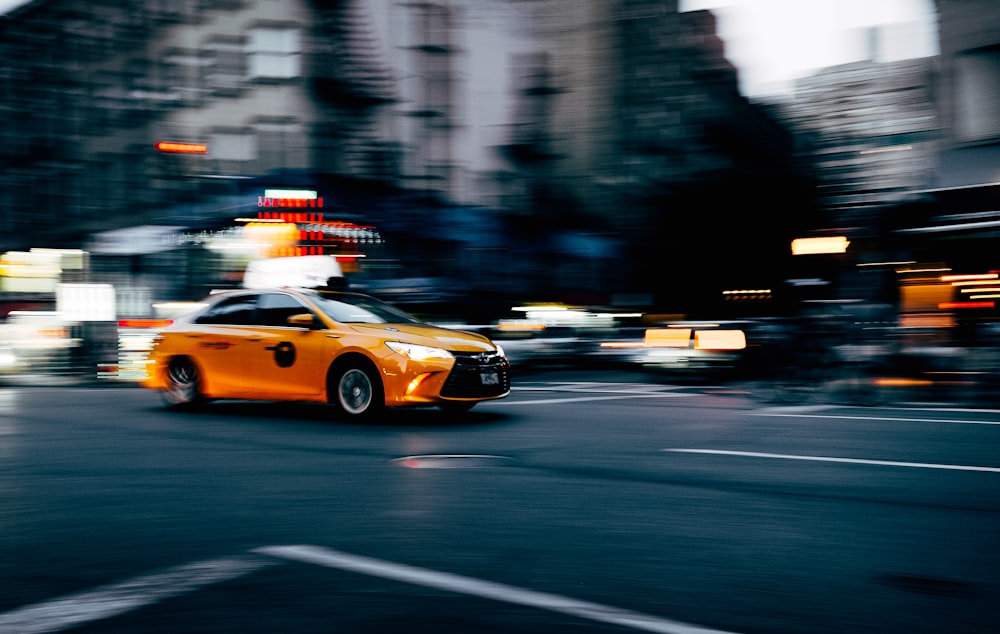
181	148
264	201
289	217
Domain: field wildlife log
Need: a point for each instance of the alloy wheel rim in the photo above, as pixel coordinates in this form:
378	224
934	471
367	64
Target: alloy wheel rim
183	382
355	391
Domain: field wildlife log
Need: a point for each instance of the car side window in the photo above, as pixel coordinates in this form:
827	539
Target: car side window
274	309
234	310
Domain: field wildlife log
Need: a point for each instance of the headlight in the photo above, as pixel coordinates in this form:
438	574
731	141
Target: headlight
418	352
500	350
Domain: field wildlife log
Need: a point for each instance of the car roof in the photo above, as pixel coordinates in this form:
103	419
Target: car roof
301	290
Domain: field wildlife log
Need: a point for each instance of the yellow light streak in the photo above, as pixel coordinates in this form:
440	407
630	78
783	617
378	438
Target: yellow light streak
832	244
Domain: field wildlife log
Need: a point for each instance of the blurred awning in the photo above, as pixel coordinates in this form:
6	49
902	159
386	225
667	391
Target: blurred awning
139	240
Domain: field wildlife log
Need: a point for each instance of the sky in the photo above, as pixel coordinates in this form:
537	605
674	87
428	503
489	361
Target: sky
774	42
7	5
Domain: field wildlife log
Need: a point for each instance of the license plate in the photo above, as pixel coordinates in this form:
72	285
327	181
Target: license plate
490	378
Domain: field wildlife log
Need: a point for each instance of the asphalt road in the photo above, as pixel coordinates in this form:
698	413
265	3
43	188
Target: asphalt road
585	502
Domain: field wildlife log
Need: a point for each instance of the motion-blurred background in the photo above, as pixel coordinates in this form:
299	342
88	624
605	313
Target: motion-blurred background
474	160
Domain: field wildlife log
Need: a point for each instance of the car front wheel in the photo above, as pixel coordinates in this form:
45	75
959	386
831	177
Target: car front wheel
357	391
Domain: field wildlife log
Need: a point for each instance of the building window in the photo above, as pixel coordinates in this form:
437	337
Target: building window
274	52
977	96
172	11
230	5
223	65
181	71
233	145
282	144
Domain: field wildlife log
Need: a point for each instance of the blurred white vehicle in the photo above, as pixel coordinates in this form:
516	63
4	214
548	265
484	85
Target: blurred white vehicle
36	341
692	347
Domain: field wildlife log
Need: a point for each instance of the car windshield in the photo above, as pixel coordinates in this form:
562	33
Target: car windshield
361	309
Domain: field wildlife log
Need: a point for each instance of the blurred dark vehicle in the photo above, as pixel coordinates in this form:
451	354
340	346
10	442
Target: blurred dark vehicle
541	346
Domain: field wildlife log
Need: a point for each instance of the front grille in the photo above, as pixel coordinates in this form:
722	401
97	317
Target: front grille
465	379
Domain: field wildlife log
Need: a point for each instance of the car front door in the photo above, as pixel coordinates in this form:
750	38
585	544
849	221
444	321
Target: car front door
287	361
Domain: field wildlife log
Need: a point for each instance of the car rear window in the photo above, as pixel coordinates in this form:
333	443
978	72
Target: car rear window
233	310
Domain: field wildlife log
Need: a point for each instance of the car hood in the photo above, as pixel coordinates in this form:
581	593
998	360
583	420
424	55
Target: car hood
427	335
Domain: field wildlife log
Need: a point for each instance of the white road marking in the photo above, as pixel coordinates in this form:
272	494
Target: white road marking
477	587
789	410
953	421
884	463
611	388
114	599
580	399
982	410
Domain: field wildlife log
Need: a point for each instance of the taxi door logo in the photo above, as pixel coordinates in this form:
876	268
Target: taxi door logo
284	354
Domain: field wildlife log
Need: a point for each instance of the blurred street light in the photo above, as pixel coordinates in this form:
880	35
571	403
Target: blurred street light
832	244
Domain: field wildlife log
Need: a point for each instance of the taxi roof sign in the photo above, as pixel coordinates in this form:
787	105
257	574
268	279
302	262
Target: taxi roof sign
309	271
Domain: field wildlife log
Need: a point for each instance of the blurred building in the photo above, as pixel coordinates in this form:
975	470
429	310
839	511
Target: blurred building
639	131
871	131
908	158
958	222
587	151
262	88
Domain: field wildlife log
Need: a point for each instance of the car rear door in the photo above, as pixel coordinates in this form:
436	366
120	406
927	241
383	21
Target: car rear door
218	344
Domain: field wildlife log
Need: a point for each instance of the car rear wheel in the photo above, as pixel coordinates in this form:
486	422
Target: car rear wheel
183	384
357	391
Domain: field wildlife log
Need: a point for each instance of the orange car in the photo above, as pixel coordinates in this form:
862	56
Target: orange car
352	350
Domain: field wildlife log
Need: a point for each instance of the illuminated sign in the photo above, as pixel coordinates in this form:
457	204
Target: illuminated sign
805	246
282	216
297	198
296	194
270	201
181	148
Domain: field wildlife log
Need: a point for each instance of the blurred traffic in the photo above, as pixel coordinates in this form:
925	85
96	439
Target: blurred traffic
864	353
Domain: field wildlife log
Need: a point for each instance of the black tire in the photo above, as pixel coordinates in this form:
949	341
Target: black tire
183	385
356	390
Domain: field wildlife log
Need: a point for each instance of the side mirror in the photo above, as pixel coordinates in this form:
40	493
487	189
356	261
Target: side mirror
306	320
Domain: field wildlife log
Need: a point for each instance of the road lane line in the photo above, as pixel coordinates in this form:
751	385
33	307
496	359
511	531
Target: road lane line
884	463
580	399
477	587
596	388
114	599
953	421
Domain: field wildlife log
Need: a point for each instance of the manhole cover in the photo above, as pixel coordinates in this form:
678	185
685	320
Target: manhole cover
452	461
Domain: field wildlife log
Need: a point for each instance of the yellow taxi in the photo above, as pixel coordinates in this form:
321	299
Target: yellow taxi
348	349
